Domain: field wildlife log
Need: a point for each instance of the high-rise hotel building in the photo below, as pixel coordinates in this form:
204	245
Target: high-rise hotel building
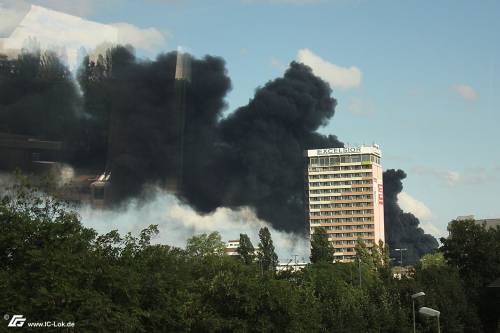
344	192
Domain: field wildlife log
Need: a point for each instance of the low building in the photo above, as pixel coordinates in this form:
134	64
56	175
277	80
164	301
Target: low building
291	266
29	154
232	247
488	223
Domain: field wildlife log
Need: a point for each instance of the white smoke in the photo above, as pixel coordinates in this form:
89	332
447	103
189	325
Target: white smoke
64	174
6	182
177	222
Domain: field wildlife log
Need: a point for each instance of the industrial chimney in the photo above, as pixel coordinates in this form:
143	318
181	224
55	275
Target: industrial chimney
182	80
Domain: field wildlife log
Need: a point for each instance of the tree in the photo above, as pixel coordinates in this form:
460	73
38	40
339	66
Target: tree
445	291
432	259
246	249
321	248
268	259
475	251
205	245
363	252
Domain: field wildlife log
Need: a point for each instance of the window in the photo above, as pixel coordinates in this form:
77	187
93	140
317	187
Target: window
334	160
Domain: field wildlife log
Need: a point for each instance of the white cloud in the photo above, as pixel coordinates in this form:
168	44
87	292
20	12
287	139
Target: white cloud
422	212
338	77
286	2
46	27
449	177
177	222
296	2
466	92
431	229
452	177
467	177
60	32
414	206
278	64
360	107
148	39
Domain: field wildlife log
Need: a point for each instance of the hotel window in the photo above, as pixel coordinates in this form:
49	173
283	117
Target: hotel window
346	159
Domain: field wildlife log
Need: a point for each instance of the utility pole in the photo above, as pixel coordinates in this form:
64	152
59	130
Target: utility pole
359	270
401	253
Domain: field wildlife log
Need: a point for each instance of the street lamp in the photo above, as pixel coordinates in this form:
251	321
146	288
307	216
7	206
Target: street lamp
401	251
430	313
413	298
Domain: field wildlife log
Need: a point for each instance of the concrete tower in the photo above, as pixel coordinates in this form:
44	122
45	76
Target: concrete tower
182	80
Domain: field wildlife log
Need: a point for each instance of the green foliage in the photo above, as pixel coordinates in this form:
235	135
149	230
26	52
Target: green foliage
321	248
205	245
245	250
53	268
375	258
432	260
347	307
363	252
268	259
445	292
475	251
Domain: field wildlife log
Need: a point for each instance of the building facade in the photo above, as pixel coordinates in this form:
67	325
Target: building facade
232	247
344	194
488	223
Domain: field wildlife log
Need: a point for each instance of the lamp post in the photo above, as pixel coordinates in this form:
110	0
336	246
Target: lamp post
401	252
413	298
430	313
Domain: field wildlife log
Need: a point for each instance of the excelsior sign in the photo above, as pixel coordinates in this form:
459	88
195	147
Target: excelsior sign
330	151
344	150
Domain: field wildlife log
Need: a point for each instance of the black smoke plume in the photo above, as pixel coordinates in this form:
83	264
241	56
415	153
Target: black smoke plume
253	158
124	121
402	229
38	97
257	158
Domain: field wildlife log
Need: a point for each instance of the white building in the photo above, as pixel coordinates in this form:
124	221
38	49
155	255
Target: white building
291	266
232	247
344	191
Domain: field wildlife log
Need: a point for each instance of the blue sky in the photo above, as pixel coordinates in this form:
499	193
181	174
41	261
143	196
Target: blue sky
427	90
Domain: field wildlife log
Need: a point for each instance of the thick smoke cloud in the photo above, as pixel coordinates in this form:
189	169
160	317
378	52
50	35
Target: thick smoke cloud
38	97
177	222
126	121
258	157
252	158
401	229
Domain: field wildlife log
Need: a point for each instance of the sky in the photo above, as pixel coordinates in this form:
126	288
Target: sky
420	78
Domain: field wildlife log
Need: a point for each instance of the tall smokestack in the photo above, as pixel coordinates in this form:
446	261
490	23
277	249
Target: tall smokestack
182	80
182	67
